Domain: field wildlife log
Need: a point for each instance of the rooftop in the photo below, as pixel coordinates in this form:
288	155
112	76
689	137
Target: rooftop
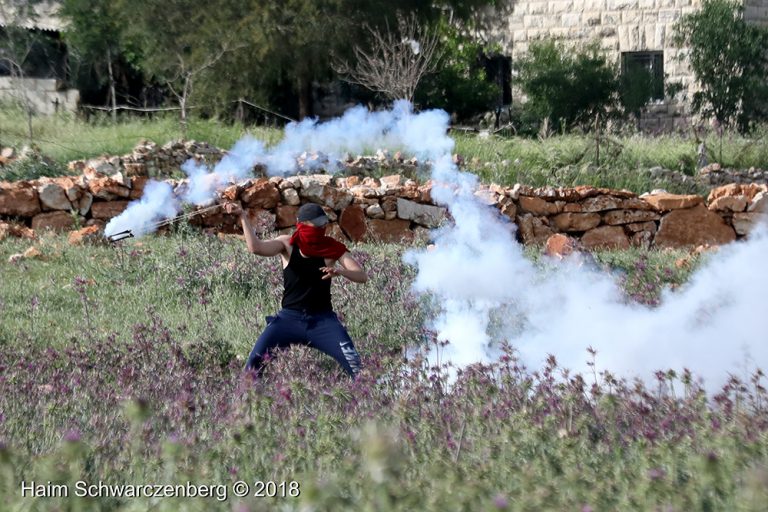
40	15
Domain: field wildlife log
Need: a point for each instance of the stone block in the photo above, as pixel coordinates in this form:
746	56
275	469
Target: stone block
617	217
605	237
262	194
53	197
693	227
424	214
665	201
105	210
56	221
572	222
19	199
389	231
743	223
285	216
353	223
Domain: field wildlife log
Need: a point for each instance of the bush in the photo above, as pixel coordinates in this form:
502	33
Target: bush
31	167
568	88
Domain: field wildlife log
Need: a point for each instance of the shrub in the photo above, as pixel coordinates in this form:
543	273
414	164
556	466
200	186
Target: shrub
568	88
729	58
30	167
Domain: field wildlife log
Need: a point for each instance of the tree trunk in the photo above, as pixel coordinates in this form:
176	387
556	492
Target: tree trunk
305	97
112	86
597	139
240	113
183	105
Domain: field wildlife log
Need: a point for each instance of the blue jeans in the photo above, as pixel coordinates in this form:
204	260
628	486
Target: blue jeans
321	331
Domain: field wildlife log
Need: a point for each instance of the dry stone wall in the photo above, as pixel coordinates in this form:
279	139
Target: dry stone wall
395	208
714	175
150	159
391	209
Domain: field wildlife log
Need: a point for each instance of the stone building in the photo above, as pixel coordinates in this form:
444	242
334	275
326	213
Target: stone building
42	86
633	32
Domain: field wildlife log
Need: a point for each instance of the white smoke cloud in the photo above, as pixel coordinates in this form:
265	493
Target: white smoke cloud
235	166
360	131
490	292
156	204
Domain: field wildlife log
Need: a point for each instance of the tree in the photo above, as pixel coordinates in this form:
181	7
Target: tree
178	42
729	58
292	44
396	60
567	87
222	51
94	34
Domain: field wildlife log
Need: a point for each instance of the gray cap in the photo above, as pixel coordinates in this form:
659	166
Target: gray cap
313	213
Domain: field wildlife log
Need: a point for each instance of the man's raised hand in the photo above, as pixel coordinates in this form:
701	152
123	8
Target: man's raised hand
233	208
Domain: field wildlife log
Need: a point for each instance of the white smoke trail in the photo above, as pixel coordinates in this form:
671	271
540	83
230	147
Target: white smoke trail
156	204
356	132
235	166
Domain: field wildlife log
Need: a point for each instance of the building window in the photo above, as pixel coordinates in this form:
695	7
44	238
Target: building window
642	74
498	69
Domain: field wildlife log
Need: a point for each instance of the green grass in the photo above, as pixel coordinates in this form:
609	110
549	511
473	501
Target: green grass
563	160
672	151
123	365
188	279
65	137
569	160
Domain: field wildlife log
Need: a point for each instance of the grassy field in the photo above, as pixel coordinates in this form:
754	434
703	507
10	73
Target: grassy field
563	160
123	365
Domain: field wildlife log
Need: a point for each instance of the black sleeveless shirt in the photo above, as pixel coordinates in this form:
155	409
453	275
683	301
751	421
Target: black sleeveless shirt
304	287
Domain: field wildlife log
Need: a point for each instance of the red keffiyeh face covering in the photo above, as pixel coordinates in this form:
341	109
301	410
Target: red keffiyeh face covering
313	243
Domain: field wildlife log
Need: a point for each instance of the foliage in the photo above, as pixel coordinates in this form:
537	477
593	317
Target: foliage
567	87
93	28
16	42
636	87
97	49
263	51
459	85
31	167
730	61
568	160
177	44
65	137
131	402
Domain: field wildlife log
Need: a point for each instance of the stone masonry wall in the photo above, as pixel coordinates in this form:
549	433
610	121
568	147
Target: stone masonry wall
44	95
756	11
618	25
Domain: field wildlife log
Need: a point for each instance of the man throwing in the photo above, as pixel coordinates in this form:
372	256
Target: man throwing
310	261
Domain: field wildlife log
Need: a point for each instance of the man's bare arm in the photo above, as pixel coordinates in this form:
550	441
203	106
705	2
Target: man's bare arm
350	269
